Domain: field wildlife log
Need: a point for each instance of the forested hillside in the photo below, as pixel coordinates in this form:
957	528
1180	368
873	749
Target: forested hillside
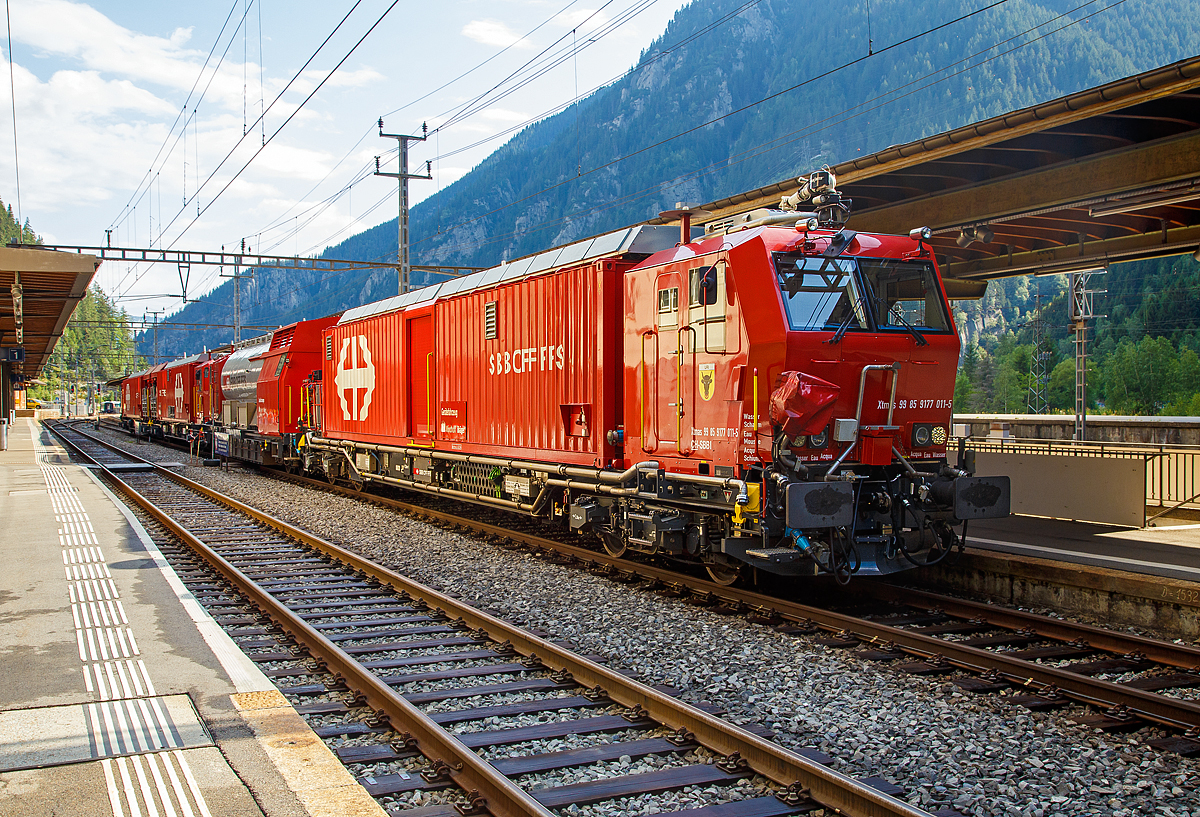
97	345
735	95
13	233
1144	349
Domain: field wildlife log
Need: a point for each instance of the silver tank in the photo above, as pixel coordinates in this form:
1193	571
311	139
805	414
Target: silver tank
239	376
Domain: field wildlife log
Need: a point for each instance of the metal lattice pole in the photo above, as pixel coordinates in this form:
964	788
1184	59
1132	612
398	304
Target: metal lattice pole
1039	362
1081	310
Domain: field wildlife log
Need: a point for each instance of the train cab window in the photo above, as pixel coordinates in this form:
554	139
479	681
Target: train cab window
904	295
820	293
702	286
282	362
668	306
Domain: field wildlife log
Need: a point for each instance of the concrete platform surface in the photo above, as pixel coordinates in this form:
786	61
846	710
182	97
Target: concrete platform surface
1169	551
119	695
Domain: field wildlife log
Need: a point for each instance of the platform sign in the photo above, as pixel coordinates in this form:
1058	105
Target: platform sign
221	444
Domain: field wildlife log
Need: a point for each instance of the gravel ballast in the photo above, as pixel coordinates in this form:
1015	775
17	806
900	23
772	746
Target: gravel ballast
979	754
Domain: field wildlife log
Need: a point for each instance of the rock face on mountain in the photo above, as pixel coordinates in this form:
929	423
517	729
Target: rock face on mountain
734	95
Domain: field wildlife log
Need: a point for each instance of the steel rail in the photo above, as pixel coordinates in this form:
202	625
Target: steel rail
1171	712
826	786
1184	656
470	772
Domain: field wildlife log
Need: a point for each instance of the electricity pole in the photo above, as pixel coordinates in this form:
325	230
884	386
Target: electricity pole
402	254
237	293
1080	310
155	314
1039	361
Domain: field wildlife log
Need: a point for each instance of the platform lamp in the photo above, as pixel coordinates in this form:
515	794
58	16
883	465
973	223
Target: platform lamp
969	235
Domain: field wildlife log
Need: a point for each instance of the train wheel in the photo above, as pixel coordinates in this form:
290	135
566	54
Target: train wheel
723	575
614	545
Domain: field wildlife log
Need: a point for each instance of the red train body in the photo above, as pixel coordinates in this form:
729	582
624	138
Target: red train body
775	394
292	357
178	394
545	385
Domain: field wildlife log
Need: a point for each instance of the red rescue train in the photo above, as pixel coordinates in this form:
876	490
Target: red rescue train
774	394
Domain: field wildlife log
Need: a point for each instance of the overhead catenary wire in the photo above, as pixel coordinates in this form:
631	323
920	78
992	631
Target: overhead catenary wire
290	116
129	210
754	152
295	227
12	85
286	216
278	97
894	45
747	5
182	110
479	65
742	109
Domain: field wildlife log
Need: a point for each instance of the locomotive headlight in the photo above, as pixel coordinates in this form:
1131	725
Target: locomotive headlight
922	435
939	435
819	440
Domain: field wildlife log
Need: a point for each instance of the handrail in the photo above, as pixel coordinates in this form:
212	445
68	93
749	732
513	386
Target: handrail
429	394
754	435
643	388
1172	471
679	352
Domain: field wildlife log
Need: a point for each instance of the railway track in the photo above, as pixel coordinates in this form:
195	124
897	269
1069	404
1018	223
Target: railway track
1039	662
448	699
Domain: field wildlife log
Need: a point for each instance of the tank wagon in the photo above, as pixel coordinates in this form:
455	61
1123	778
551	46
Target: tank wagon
774	393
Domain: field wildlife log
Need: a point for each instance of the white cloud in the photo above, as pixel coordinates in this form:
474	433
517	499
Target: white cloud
576	17
80	32
503	115
99	85
493	32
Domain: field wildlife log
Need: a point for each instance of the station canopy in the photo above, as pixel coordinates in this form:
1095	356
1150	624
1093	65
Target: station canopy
1104	175
39	290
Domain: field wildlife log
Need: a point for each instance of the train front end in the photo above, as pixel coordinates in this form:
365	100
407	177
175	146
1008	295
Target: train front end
816	365
858	479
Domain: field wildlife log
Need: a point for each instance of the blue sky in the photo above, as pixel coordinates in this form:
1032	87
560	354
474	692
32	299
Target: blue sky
101	92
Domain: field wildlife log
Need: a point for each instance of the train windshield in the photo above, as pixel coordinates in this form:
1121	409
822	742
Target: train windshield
904	295
820	293
847	294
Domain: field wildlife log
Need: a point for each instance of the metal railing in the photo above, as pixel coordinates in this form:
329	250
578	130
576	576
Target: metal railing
1172	471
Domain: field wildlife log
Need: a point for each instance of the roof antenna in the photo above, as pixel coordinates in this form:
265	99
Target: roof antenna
684	212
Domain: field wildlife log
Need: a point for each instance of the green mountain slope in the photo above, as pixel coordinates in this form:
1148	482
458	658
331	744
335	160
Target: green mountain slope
749	101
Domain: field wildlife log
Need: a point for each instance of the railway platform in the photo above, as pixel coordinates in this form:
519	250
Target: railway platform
1139	577
1169	550
118	693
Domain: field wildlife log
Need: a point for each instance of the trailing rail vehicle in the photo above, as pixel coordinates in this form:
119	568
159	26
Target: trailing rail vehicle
773	393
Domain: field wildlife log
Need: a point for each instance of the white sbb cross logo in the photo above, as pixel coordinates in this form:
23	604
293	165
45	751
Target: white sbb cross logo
179	394
351	377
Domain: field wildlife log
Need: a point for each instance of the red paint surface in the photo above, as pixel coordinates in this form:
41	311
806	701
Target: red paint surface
294	353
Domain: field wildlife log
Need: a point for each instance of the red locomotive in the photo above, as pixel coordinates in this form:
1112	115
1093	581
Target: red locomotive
774	394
